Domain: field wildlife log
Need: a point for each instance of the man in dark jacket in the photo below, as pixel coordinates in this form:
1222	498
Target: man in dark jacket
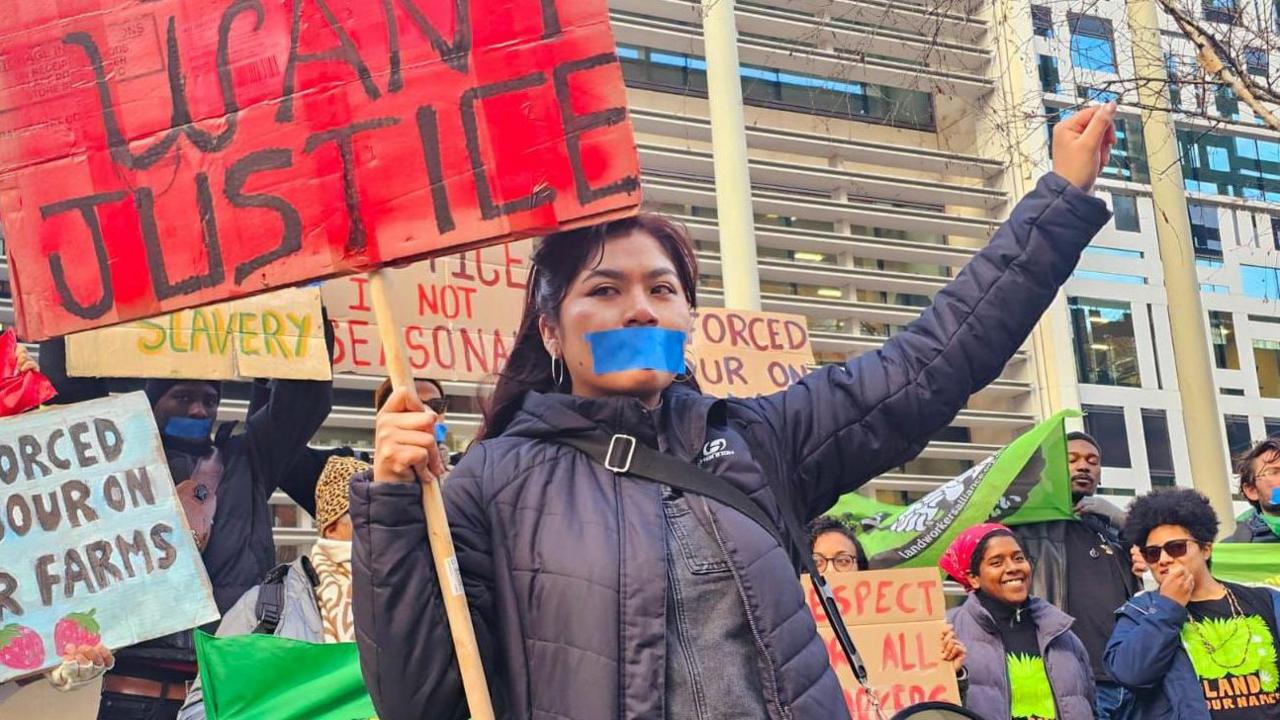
1082	567
224	482
1259	471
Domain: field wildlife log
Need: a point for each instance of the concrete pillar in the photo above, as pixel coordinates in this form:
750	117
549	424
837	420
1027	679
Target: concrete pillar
1193	363
729	153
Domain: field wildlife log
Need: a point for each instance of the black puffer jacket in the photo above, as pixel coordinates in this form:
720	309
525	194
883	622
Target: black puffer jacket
564	562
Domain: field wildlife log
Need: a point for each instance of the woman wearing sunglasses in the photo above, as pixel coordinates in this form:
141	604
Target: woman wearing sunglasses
598	594
1024	661
1198	648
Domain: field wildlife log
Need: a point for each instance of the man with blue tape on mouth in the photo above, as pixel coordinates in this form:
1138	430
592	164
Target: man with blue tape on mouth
224	483
598	587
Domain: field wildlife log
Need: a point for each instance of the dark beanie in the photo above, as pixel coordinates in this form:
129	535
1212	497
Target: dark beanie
157	387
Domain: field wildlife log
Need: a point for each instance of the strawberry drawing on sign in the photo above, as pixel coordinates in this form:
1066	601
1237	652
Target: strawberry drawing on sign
20	648
77	628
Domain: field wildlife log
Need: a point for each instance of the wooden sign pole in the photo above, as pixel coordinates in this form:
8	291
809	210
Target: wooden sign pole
465	648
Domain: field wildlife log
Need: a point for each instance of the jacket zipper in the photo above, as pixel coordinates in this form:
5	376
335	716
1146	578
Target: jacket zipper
772	689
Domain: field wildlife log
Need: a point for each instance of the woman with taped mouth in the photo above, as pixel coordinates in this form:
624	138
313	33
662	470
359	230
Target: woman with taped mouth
1024	662
597	593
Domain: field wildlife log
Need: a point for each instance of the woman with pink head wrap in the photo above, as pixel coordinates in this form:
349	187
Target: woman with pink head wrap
1024	662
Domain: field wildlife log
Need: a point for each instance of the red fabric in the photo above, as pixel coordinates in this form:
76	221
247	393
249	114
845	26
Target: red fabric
958	558
19	392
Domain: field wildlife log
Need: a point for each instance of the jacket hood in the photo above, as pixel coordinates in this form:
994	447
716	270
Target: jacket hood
1050	621
683	412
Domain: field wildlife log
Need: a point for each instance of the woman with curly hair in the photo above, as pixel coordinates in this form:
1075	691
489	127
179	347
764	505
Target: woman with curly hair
1198	648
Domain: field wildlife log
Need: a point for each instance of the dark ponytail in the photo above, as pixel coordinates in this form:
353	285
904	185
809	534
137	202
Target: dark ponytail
559	259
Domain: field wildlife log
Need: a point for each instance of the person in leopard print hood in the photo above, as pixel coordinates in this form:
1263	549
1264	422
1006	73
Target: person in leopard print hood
310	598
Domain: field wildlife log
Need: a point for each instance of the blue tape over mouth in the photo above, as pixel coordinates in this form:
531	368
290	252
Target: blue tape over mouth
637	348
1275	496
189	428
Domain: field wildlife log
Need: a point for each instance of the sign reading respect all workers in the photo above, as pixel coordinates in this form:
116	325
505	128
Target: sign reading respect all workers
277	335
163	155
459	316
896	619
94	545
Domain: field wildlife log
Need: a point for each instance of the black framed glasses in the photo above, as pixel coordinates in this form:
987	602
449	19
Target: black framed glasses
1175	548
843	562
438	405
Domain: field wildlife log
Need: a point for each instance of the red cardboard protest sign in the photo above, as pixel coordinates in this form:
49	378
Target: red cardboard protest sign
173	153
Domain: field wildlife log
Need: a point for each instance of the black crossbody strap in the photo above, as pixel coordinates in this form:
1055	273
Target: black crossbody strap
623	454
669	470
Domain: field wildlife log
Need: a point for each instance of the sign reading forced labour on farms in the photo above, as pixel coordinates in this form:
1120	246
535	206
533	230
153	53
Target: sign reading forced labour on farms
896	619
277	335
170	154
93	542
741	354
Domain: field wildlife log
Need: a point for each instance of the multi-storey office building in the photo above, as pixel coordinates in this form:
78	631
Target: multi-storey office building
887	140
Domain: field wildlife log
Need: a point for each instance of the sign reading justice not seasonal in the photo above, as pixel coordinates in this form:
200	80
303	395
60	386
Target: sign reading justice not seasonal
161	155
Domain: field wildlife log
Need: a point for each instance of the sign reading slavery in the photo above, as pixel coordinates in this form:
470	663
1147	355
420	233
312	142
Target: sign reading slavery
93	542
161	155
742	354
277	335
458	314
896	619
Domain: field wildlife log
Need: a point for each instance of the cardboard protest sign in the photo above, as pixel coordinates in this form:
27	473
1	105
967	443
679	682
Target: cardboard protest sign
277	335
161	155
896	619
742	354
93	542
459	314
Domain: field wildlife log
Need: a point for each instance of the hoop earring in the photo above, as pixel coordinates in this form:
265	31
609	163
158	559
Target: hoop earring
557	371
686	375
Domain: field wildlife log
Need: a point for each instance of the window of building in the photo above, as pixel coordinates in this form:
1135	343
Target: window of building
1236	166
1257	62
1042	21
1091	43
1105	348
1206	235
1223	11
1125	209
1106	424
687	74
1259	281
1226	102
1238	437
1155	433
1266	356
1272	425
1234	392
1275	230
1173	74
1049	81
1222	333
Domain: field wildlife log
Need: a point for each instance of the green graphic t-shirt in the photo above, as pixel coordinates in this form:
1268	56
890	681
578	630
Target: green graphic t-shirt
1030	694
1234	654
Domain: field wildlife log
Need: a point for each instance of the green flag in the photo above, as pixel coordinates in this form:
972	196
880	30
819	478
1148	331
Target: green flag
1027	481
1247	563
250	677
